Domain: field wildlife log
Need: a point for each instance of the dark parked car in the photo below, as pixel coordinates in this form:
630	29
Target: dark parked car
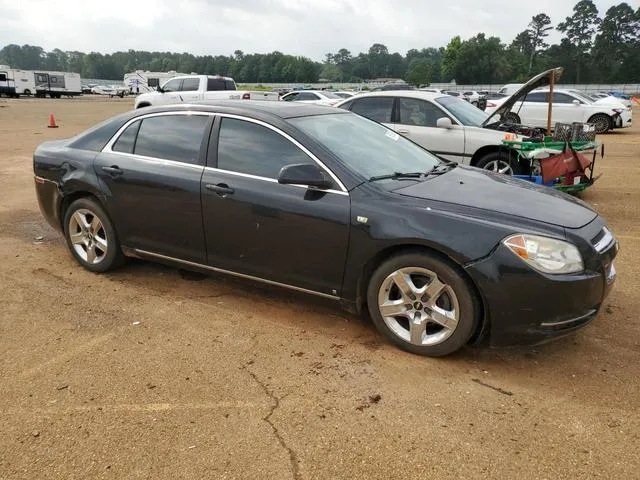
324	201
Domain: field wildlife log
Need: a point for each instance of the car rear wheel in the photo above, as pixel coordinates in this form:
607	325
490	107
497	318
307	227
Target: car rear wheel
601	122
91	237
422	304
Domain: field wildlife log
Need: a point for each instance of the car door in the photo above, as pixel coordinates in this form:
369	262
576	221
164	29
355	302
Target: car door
417	120
564	110
190	90
150	175
171	91
254	226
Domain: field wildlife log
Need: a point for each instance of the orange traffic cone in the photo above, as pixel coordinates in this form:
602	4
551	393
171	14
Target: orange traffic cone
52	121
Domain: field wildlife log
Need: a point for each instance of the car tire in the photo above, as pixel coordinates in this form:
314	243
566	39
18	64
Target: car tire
441	296
91	237
511	117
500	161
602	123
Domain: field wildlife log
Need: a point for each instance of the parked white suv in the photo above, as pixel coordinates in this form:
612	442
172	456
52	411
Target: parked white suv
447	126
568	107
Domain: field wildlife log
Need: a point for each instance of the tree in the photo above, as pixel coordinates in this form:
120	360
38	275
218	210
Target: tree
450	58
616	44
580	28
538	30
420	72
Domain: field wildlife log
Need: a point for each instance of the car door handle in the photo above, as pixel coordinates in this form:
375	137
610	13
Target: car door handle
403	132
221	189
113	170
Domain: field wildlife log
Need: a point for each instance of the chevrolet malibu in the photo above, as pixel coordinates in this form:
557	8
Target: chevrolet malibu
324	201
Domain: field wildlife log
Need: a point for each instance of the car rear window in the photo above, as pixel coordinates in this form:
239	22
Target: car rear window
97	137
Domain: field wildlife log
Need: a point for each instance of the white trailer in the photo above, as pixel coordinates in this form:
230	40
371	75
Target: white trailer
15	82
57	84
143	81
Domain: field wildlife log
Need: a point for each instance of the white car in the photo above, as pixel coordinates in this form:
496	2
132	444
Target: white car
473	97
568	107
447	126
315	97
605	96
346	94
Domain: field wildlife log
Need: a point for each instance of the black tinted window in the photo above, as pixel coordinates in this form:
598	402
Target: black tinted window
290	97
249	148
153	82
3	77
307	96
375	108
419	113
190	84
127	140
230	84
536	97
172	137
216	84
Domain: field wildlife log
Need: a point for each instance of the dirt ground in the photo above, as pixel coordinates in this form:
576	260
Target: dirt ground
149	372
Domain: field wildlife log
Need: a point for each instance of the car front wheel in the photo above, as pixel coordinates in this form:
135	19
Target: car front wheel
422	304
91	237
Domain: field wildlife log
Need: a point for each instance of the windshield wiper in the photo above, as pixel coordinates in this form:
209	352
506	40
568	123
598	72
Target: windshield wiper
397	175
442	168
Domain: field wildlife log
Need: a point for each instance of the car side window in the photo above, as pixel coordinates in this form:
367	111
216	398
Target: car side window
291	97
562	98
246	147
216	84
377	109
127	139
190	85
307	96
173	85
537	97
419	113
172	137
3	77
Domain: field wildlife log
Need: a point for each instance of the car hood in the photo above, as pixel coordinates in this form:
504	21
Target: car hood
489	191
541	80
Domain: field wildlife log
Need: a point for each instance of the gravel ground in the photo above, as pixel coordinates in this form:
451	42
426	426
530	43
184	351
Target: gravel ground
150	372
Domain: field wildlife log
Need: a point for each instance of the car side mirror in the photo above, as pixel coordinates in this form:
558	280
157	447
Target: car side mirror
576	102
304	174
444	122
159	89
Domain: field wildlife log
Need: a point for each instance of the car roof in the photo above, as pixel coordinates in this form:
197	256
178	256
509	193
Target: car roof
251	108
404	93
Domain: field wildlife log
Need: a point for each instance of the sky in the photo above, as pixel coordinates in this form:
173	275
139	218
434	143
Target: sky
299	27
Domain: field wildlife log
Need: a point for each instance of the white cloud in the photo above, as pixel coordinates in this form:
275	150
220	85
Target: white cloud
301	27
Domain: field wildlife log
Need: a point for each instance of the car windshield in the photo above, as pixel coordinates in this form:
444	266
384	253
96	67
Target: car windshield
366	147
331	95
466	113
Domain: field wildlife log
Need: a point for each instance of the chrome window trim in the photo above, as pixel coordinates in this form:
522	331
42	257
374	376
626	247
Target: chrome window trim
108	148
145	253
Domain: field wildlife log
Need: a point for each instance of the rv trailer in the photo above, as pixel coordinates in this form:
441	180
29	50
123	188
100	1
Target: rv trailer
15	82
57	84
142	81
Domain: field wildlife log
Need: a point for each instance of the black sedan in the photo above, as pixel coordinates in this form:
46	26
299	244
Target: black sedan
324	201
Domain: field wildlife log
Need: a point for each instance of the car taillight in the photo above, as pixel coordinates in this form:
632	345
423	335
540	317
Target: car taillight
246	96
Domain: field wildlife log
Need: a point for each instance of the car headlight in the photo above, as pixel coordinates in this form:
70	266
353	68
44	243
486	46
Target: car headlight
548	255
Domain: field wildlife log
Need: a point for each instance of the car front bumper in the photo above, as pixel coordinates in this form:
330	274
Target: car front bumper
524	306
624	119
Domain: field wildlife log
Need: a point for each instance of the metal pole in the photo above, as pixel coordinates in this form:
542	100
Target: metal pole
550	102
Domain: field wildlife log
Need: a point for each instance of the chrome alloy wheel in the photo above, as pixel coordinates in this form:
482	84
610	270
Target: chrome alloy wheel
418	307
88	236
499	166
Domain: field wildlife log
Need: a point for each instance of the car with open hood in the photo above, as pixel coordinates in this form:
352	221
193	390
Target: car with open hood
324	201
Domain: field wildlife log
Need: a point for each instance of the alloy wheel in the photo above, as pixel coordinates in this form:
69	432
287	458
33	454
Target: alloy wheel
418	307
88	236
499	166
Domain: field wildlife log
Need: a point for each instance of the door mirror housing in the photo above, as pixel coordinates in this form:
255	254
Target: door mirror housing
577	103
304	174
444	122
159	89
